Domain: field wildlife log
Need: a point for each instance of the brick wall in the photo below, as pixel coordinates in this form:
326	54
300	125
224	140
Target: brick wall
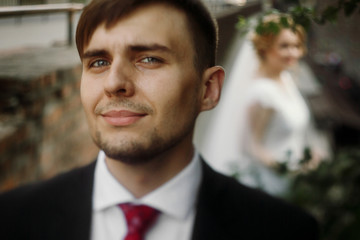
42	125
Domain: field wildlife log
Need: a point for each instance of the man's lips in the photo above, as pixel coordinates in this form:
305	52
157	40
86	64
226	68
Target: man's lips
122	118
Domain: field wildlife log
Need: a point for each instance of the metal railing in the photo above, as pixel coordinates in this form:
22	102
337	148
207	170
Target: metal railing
37	2
21	2
219	7
69	8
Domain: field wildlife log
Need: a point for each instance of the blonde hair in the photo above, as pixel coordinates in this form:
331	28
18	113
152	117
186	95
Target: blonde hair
265	40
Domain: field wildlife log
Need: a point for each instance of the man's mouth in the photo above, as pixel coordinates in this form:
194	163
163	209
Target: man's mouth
122	118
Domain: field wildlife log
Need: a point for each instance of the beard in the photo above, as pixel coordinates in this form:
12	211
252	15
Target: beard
143	149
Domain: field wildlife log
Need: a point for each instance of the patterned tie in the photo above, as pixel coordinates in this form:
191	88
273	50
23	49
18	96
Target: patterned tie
139	219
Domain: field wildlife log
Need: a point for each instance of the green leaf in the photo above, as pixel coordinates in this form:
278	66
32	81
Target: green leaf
284	22
260	29
330	14
302	16
273	28
241	23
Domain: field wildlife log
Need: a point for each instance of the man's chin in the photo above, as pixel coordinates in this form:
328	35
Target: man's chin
132	152
136	151
129	157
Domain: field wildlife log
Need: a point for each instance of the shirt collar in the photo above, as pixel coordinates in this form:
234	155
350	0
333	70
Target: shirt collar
176	197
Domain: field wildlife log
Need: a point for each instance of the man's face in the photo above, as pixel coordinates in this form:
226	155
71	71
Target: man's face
139	87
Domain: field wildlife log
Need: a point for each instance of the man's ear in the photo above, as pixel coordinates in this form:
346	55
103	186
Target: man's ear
212	83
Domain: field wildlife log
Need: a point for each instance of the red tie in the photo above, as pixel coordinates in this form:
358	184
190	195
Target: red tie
139	219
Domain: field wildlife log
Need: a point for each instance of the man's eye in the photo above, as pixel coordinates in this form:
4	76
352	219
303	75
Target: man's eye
100	63
150	60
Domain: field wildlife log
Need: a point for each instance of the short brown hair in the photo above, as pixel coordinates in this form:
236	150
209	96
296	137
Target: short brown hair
201	24
264	41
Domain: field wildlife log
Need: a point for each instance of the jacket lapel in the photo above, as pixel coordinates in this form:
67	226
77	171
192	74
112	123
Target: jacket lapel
208	220
79	199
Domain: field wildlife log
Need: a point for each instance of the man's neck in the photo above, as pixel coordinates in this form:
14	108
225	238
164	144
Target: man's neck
141	179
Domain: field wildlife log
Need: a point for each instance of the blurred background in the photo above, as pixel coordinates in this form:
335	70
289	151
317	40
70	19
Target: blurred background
43	130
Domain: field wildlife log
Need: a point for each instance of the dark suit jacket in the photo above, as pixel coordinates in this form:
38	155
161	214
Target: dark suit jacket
60	208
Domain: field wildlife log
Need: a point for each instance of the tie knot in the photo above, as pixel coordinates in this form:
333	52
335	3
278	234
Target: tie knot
139	218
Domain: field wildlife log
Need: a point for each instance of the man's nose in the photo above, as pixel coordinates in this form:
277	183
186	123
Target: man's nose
120	80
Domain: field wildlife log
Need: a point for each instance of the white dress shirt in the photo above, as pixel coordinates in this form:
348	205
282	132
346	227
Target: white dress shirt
175	200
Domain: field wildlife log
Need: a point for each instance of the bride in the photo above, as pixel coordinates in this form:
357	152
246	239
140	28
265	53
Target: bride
262	120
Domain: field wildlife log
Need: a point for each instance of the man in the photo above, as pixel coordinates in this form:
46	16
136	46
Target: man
148	71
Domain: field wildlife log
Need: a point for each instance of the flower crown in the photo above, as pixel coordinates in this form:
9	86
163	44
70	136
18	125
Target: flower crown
272	21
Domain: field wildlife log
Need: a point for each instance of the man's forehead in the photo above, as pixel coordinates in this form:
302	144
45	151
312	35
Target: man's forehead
153	14
137	39
146	26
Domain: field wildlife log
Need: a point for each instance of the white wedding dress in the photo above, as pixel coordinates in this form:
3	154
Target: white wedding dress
286	134
223	142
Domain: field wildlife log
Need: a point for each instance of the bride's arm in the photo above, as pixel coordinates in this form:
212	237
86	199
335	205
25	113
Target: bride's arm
259	119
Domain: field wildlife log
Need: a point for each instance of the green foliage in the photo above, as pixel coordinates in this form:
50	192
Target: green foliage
303	16
242	24
274	27
271	27
282	168
332	194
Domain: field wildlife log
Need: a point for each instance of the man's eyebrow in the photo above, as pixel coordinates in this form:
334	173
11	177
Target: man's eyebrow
149	47
131	48
95	53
